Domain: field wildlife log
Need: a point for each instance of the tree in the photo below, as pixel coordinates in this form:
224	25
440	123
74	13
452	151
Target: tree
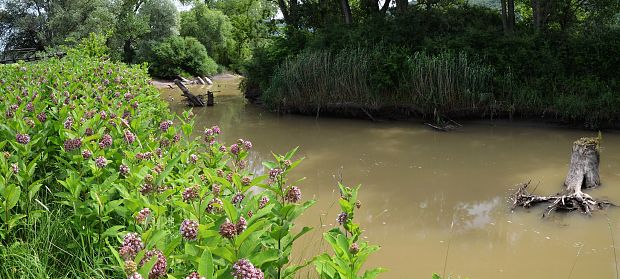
251	21
564	14
402	6
40	24
345	8
508	16
162	17
212	28
130	27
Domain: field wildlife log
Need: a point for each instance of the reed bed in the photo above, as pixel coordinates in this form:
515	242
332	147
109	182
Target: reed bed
322	79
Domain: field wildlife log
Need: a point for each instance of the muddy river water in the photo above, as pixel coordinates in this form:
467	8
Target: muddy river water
436	202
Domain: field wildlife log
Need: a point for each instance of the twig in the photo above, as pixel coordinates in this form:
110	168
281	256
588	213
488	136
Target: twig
371	118
575	262
445	261
613	244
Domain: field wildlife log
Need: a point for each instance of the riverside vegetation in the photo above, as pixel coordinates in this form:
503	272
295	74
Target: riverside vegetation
455	58
554	59
100	180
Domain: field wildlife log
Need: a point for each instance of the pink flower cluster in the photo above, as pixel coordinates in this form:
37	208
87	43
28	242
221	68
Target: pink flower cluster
244	269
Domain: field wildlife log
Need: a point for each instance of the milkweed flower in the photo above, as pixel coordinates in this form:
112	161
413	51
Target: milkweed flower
101	162
22	138
143	215
244	269
189	229
194	275
293	194
160	268
228	229
132	245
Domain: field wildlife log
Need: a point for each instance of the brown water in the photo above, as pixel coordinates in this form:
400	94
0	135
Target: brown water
433	200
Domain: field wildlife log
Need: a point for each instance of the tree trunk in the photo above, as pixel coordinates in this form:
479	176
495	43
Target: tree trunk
511	16
128	51
536	14
346	11
284	10
402	6
504	16
583	170
508	16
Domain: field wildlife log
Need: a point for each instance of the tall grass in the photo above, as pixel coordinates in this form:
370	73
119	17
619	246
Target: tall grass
315	79
447	82
362	78
49	249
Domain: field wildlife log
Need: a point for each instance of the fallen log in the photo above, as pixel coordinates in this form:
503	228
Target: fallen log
583	173
200	80
192	99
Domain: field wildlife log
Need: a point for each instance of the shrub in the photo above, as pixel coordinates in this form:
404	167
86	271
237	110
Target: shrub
180	55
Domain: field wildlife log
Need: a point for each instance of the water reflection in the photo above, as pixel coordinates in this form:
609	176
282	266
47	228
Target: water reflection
476	215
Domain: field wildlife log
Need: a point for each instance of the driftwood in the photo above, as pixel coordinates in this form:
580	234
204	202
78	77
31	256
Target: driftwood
192	100
207	80
582	173
200	80
443	123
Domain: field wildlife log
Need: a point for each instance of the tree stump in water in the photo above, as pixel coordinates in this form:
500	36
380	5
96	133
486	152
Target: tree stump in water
583	170
582	174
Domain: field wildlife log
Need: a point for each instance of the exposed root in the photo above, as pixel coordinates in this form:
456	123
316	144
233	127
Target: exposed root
568	201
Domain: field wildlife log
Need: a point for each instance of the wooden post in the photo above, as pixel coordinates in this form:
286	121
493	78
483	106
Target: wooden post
210	100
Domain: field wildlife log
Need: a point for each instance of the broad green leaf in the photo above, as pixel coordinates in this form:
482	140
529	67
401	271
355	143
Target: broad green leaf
146	268
256	226
169	167
373	273
205	266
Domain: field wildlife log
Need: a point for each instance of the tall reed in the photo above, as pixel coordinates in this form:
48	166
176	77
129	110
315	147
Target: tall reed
447	82
315	79
361	78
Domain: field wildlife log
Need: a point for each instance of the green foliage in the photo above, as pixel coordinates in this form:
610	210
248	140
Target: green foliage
252	24
92	46
91	160
559	74
349	252
213	29
180	55
379	78
42	24
162	17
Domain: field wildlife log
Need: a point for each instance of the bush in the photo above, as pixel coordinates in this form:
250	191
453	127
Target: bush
180	56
